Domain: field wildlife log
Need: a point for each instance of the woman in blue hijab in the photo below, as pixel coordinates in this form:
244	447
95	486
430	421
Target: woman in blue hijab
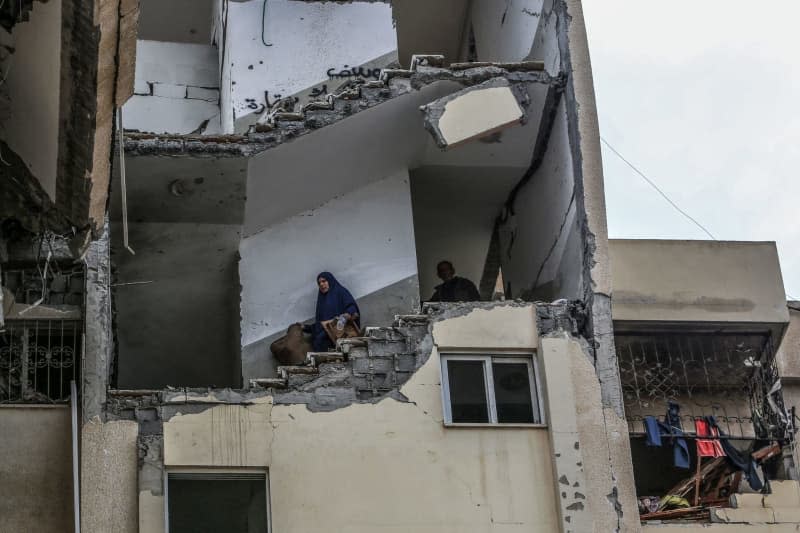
332	300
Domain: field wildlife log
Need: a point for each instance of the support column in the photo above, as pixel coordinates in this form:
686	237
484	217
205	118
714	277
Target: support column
97	342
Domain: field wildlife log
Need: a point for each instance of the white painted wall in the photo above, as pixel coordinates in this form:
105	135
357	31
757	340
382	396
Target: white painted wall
33	89
176	90
365	238
545	227
504	31
306	38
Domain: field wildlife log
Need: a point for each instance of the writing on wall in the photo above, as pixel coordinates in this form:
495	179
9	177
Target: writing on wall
353	72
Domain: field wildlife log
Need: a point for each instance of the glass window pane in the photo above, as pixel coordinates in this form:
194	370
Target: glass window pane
512	393
467	391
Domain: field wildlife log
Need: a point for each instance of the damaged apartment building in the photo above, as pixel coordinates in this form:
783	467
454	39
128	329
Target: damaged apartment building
175	174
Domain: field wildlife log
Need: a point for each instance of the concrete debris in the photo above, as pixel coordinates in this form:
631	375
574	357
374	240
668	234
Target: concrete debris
475	112
286	124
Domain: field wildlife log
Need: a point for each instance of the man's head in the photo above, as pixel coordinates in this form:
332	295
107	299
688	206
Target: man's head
445	270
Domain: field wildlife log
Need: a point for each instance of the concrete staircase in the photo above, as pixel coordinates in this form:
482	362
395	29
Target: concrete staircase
379	362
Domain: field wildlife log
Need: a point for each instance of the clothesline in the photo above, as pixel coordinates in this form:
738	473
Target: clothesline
695	436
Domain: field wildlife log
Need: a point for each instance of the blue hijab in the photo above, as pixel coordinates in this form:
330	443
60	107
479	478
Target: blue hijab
336	301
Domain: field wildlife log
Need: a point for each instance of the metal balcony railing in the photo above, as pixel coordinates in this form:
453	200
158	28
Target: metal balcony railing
38	359
732	376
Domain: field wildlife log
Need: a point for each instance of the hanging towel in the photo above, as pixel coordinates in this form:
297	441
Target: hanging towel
707	447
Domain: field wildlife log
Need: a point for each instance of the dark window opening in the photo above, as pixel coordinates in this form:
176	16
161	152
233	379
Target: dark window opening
209	503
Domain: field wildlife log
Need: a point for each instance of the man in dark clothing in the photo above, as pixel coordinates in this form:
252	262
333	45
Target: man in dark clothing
454	288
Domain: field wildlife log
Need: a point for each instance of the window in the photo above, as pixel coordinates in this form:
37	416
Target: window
490	389
212	501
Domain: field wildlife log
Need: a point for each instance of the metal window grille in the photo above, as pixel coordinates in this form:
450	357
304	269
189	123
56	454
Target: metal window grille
38	359
662	367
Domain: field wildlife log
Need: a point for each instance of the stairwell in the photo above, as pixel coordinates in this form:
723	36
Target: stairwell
363	369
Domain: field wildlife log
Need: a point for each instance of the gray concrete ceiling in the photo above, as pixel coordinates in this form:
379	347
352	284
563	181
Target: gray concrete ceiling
181	189
305	173
184	21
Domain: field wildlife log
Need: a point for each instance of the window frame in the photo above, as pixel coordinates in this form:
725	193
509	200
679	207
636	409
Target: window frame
488	378
224	471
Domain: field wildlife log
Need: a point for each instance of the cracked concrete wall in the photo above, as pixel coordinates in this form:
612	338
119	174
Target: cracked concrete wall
504	31
592	452
396	454
541	242
35	469
176	89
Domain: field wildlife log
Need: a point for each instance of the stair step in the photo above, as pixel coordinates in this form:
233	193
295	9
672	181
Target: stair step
345	345
286	371
268	383
404	320
318	358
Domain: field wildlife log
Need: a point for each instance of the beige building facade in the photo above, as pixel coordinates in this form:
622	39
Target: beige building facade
263	142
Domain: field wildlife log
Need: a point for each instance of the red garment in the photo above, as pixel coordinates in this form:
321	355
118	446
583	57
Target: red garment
707	447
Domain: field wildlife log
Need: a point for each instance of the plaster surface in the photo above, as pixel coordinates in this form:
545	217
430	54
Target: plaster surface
663	280
542	244
109	477
504	31
502	327
177	305
478	113
35	469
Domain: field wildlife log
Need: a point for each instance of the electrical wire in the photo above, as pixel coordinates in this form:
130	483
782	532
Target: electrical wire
658	189
664	195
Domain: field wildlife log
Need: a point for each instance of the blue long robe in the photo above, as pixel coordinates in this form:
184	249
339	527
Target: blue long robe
336	301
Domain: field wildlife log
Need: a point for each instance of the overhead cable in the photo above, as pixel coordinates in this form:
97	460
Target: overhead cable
657	188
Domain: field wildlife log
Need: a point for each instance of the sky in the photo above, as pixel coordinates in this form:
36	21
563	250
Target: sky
704	98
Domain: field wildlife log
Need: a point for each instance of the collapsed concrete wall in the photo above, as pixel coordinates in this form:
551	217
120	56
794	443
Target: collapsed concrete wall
177	89
320	431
